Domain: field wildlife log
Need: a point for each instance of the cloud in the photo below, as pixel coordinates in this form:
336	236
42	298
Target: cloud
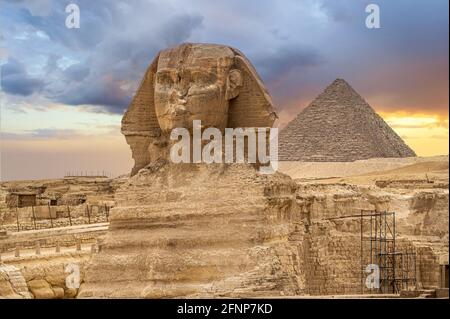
36	8
16	80
105	92
112	78
297	47
109	52
86	37
52	133
77	72
273	65
40	134
340	10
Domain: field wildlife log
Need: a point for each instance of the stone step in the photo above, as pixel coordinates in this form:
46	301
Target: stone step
18	282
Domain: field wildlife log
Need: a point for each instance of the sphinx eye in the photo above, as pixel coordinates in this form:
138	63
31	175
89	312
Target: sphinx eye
163	79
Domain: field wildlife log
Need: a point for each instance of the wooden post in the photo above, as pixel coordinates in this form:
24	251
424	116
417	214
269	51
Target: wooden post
88	213
38	248
17	252
98	243
34	217
107	212
78	244
70	218
50	214
17	215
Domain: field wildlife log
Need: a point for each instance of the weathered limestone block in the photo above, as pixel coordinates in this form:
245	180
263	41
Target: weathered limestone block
45	212
430	212
70	293
58	292
6	289
41	289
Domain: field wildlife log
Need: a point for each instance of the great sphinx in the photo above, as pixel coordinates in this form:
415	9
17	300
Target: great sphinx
197	230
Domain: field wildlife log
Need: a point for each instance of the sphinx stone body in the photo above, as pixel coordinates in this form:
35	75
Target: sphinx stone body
186	230
196	229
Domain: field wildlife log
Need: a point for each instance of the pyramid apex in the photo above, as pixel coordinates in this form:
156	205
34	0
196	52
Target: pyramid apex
340	88
339	82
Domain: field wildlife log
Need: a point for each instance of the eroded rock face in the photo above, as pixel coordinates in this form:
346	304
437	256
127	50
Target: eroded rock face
6	289
198	230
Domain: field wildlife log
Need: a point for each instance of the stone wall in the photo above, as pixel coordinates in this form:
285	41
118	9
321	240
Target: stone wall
46	276
64	237
328	250
79	215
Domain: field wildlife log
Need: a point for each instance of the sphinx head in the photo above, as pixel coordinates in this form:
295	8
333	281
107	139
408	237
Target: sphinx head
212	83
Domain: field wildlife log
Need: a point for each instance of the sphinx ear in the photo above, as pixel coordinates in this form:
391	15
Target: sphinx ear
253	107
234	84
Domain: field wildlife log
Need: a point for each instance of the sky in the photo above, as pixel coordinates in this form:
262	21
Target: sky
63	91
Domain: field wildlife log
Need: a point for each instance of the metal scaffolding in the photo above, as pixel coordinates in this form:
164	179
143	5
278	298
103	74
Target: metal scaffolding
405	270
381	248
397	269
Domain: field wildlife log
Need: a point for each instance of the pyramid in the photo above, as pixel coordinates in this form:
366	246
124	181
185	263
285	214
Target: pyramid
339	126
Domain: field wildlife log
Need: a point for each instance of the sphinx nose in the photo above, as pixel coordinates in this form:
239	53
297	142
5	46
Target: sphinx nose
177	110
176	97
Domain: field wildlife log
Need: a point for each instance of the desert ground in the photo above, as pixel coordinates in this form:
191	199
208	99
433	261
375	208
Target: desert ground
415	188
361	171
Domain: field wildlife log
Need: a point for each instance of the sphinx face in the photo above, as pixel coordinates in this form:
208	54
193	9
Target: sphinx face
190	92
193	87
